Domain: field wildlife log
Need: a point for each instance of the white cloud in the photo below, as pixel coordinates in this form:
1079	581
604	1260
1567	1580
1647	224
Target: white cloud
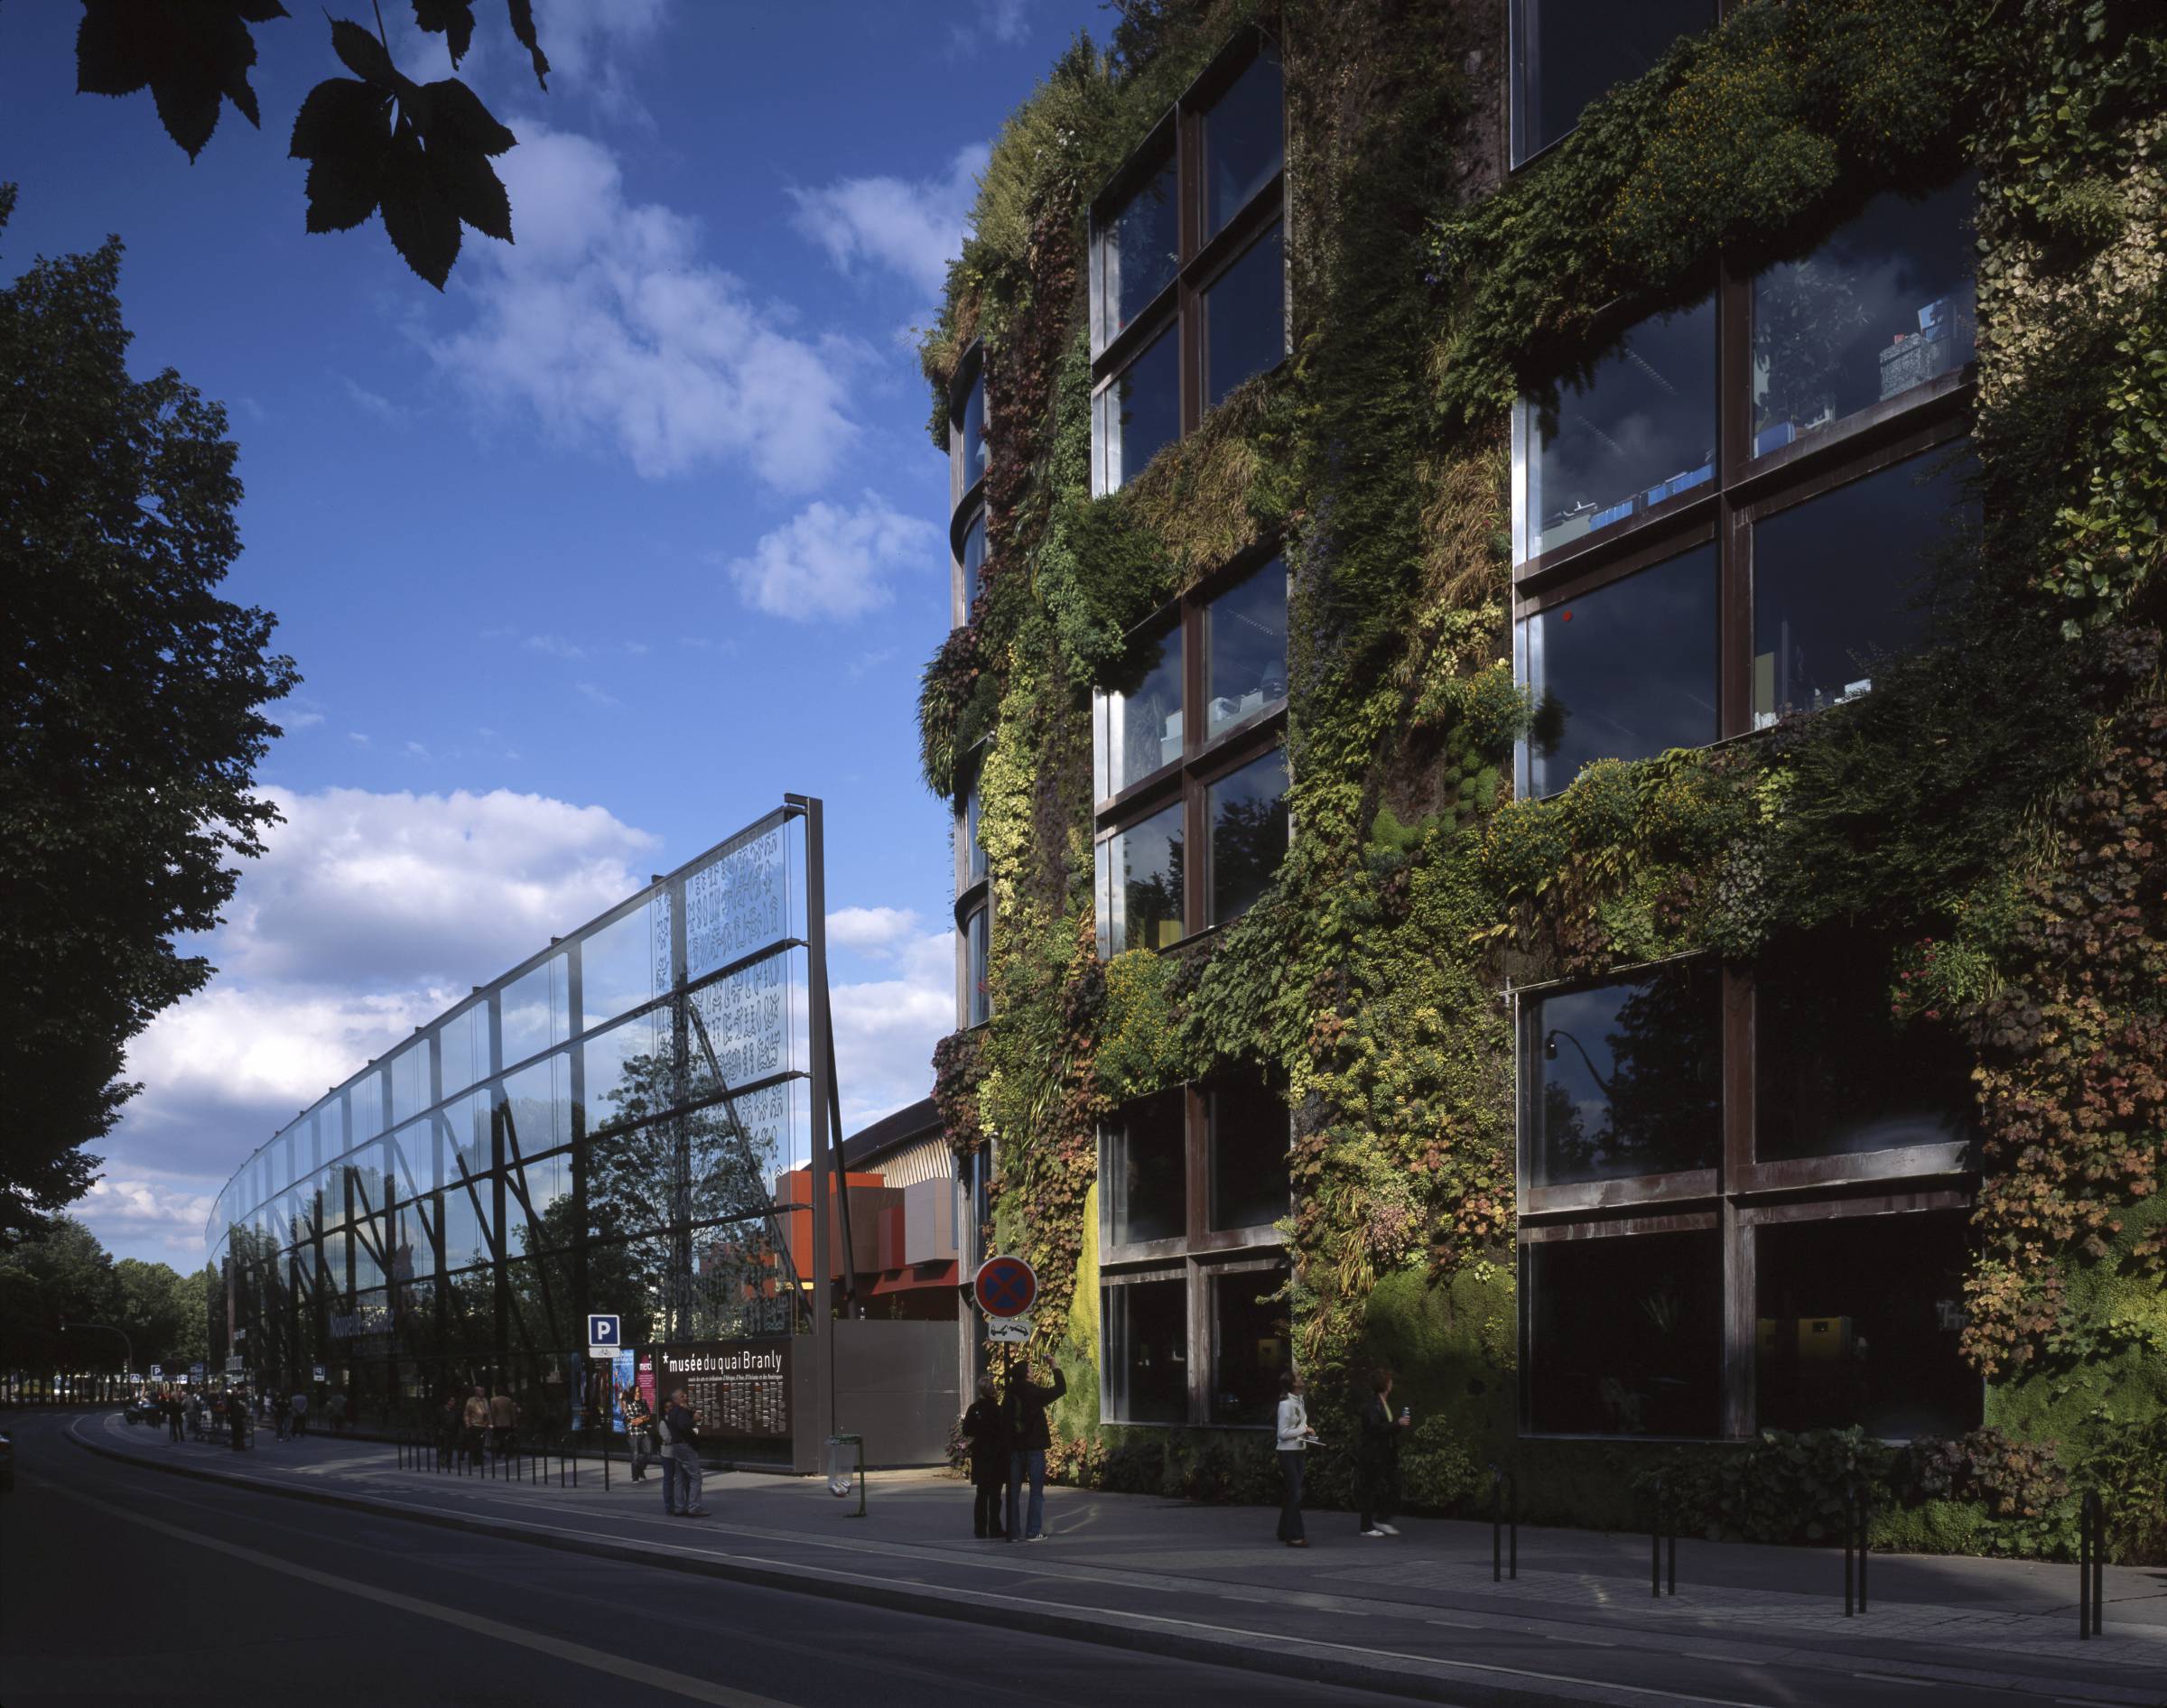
597	695
356	738
293	721
912	228
871	930
1007	22
828	561
144	1211
605	322
374	403
886	1029
552	646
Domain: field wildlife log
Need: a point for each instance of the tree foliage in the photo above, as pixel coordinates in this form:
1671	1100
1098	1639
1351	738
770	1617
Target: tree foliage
131	717
376	143
63	1276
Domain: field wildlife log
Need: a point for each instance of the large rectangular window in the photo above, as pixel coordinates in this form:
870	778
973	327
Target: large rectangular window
1249	1134
1244	140
1624	1077
1138	415
1568	52
973	426
1624	1334
1247	810
1148	1351
1252	1344
978	995
617	970
1136	254
1140	884
973	557
533	1011
1138	718
1245	650
1625	671
1245	318
1144	1186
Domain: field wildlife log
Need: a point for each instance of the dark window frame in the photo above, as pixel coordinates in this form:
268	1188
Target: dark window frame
966	495
1511	92
1200	261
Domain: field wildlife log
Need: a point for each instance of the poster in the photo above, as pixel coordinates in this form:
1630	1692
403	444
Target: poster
739	1388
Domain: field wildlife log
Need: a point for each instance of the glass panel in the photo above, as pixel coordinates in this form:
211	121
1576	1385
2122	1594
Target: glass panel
1137	254
1884	305
1244	140
1858	1322
1835	1072
617	969
1838	580
1139	719
336	1269
1245	318
974	848
1624	1334
974	430
1245	649
547	1182
1146	1172
538	1105
463	1046
1638	429
1249	1133
1622	672
1147	1352
629	1177
410	1093
467	1132
1568	52
414	1148
1252	1342
365	1100
977	998
1139	884
533	1010
1247	812
1138	415
974	558
1626	1076
737	904
466	1240
625	1074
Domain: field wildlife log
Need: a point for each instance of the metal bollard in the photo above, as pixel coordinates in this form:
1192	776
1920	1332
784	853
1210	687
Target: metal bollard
1503	1484
1857	1513
2091	1564
1662	1530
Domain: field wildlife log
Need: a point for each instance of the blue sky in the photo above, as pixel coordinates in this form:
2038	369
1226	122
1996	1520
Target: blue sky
585	561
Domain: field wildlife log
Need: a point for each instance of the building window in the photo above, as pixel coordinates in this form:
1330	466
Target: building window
972	425
972	557
968	459
1252	1343
977	998
1146	1379
1624	1334
1246	1136
974	848
1624	671
1568	52
1193	726
1188	264
1144	1171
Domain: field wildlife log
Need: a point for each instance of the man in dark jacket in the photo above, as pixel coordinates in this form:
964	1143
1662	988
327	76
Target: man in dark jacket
1028	1438
1377	1469
988	1436
683	1431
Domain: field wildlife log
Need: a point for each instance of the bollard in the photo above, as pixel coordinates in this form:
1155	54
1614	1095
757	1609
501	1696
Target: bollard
1505	1514
1655	1545
1857	1513
2091	1565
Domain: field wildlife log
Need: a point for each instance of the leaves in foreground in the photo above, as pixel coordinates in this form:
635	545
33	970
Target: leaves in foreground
190	53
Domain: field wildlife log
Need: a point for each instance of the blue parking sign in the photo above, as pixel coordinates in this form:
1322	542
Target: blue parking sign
601	1332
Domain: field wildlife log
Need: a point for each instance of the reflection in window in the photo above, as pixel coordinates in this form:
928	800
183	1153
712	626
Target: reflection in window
1244	140
1567	53
533	1011
626	1070
1146	1171
974	847
617	970
1252	1343
1835	1074
1639	430
1838	581
1249	1136
547	1184
974	429
1625	1077
537	1106
1138	718
365	1099
1147	1352
467	1129
1625	672
978	995
1245	649
1139	413
462	1048
1247	812
1138	252
974	558
1884	305
1623	1334
409	1084
1139	880
1858	1322
1245	318
465	1212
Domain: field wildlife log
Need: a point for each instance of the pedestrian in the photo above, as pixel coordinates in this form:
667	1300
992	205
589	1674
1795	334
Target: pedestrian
1295	1435
281	1416
504	1423
301	1413
988	1439
1024	1412
174	1415
475	1424
237	1420
1377	1468
336	1408
639	1424
447	1430
685	1448
195	1413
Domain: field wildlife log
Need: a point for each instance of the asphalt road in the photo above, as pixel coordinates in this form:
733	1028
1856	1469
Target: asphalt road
125	1586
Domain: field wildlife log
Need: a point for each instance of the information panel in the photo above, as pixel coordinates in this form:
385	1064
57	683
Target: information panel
739	1388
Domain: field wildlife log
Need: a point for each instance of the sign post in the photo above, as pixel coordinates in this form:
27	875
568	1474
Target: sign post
1005	1289
604	1336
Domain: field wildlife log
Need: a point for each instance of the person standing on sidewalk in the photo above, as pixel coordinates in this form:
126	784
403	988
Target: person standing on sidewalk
301	1413
237	1420
447	1430
988	1440
174	1411
1294	1438
1376	1471
504	1423
638	1426
476	1425
1028	1438
335	1409
685	1448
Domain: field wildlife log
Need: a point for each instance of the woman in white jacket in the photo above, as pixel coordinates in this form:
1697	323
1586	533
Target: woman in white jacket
1295	1436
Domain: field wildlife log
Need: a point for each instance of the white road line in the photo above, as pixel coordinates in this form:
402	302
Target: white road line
637	1671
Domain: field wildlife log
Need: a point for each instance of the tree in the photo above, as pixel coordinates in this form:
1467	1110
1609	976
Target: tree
130	714
418	153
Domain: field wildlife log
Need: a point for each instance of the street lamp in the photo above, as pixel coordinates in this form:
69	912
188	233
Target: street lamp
127	1346
1550	1053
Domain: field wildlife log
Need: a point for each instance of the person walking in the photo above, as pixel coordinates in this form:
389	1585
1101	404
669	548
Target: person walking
475	1424
175	1412
1377	1468
640	1423
504	1423
301	1413
1295	1436
1024	1411
237	1420
447	1430
281	1416
988	1437
684	1436
335	1408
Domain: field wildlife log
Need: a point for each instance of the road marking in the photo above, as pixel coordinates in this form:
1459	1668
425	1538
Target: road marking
637	1671
1895	1678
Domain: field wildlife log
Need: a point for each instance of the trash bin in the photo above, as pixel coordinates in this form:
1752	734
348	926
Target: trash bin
846	1469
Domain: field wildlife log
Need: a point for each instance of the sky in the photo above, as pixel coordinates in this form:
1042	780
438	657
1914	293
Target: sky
585	561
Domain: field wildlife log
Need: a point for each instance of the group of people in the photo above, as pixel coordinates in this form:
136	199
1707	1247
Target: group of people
475	1423
670	1437
1007	1436
233	1410
1376	1461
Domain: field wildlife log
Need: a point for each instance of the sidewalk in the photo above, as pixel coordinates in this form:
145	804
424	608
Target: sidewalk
1418	1615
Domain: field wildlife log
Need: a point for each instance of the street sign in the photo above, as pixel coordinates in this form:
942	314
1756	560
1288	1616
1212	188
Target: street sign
1005	1286
1008	1331
195	1369
602	1336
318	1372
236	1365
157	1372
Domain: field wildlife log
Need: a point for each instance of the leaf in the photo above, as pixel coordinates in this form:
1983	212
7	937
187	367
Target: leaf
523	26
418	218
449	112
190	57
342	192
474	191
344	131
451	19
362	53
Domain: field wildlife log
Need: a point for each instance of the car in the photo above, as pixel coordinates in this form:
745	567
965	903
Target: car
144	1411
7	1463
